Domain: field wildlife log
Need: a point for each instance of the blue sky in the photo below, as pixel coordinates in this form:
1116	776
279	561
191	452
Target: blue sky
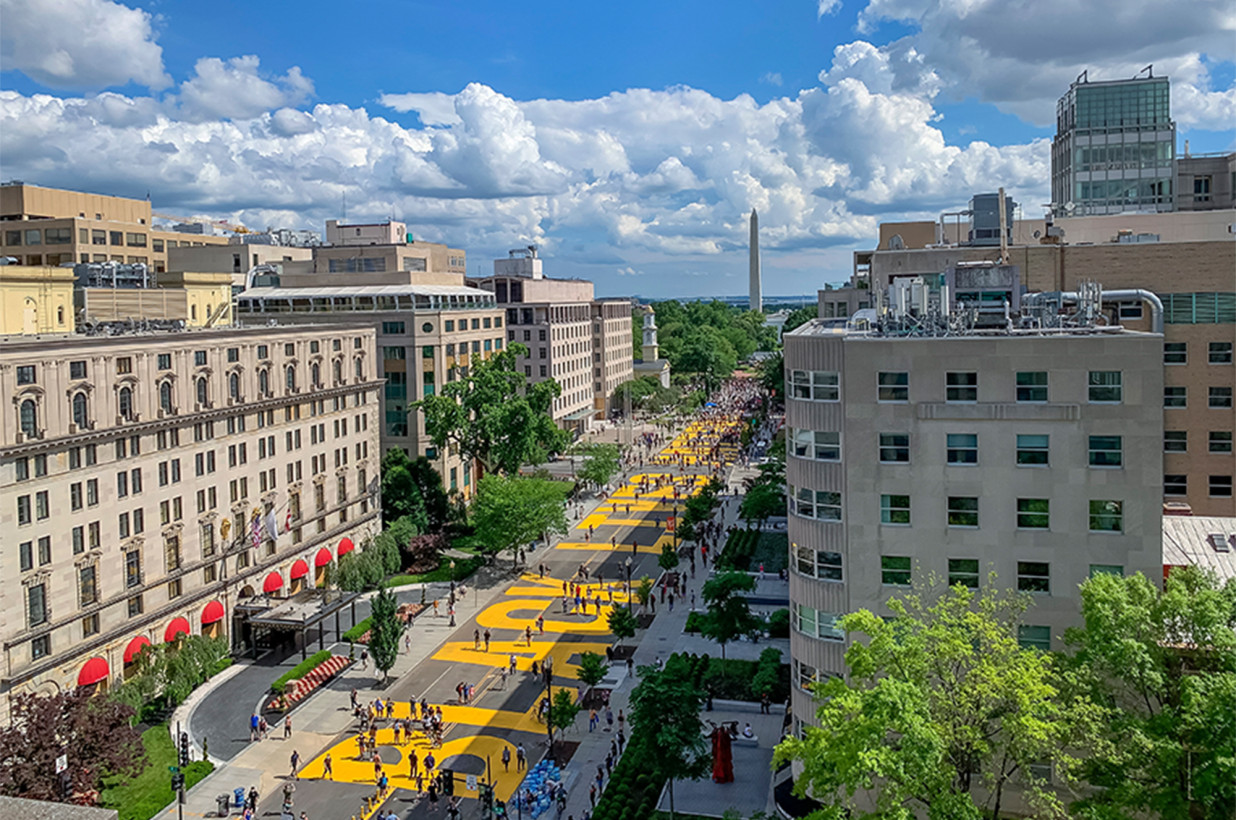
629	140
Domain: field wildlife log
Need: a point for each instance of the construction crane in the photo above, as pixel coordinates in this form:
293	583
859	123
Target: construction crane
234	227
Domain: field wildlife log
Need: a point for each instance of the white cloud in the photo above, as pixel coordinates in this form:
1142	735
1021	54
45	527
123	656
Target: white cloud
826	7
80	44
629	271
434	107
234	90
772	78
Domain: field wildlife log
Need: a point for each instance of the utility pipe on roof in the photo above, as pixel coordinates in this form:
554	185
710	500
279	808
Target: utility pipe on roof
1127	294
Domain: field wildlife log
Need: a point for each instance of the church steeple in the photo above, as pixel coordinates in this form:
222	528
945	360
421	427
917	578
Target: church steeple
651	351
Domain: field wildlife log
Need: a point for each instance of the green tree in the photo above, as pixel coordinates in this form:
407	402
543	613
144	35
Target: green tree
401	497
943	709
592	667
668	559
761	503
772	376
622	623
494	416
510	512
800	316
643	591
1166	662
433	493
385	629
94	733
665	711
563	711
729	614
601	463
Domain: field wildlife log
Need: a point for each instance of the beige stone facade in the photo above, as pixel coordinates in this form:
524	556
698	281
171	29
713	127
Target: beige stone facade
427	336
51	226
133	468
1033	456
36	300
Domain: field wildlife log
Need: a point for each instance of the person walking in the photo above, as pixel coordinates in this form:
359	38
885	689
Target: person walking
287	727
487	636
253	727
609	719
592	720
476	640
521	758
429	764
407	644
413	764
506	758
295	763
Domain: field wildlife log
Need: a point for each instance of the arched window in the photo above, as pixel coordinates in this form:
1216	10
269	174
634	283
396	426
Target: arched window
233	386
29	418
60	315
316	370
126	403
81	415
338	371
360	370
165	397
264	382
289	374
201	392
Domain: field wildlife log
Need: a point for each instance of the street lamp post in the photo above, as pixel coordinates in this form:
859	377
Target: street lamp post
549	700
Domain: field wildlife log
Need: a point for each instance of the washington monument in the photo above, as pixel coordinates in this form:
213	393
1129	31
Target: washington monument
755	299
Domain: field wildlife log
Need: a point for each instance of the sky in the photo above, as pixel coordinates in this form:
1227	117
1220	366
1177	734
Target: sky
630	141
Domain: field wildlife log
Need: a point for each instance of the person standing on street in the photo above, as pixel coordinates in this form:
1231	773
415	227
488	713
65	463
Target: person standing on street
328	770
295	763
287	727
520	758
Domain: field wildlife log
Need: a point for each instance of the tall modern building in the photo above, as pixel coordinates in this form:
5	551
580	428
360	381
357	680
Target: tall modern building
755	297
921	445
1115	148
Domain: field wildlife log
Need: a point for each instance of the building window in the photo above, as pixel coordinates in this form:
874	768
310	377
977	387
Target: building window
29	419
135	606
1034	576
1175	353
820	504
1175	441
36	605
815	445
26	550
1034	637
893	387
77	370
961	387
964	571
23	510
1106	451
1105	387
165	397
962	448
1220	398
895	448
1032	514
815	385
25	374
1220	486
895	570
289	378
1175	484
1220	441
825	566
1106	516
1032	450
963	511
817	624
1175	397
895	509
1032	386
40	647
1220	353
87	585
81	411
1106	569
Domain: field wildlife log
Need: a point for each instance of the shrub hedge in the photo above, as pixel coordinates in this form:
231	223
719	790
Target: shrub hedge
354	634
300	670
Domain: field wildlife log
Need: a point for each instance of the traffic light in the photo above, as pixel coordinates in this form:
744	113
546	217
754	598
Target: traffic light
499	809
486	793
184	748
447	781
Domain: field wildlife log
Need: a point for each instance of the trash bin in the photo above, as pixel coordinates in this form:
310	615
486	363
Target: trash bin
224	802
239	797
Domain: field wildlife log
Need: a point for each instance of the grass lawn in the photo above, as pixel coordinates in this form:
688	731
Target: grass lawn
745	550
144	796
463	568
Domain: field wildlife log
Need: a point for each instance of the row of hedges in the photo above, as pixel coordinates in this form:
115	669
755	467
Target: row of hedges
355	634
739	548
300	670
633	790
739	680
745	550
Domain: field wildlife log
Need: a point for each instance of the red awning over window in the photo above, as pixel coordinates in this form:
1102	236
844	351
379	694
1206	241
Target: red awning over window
323	557
213	613
136	645
345	546
273	583
94	670
175	629
299	569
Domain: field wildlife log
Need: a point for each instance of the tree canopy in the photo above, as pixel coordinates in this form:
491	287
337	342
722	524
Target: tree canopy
709	338
511	511
601	463
493	415
729	614
665	711
1166	662
384	631
943	709
621	622
401	496
800	316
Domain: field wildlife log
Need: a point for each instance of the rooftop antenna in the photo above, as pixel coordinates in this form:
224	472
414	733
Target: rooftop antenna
1084	77
1148	70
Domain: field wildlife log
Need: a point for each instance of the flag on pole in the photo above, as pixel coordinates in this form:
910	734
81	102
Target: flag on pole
287	521
272	526
255	529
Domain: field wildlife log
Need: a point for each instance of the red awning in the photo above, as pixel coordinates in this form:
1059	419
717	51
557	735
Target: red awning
323	557
213	613
94	670
345	546
273	582
136	645
175	629
299	569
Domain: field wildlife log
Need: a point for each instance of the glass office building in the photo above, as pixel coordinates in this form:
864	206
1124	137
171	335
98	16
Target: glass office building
1114	149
